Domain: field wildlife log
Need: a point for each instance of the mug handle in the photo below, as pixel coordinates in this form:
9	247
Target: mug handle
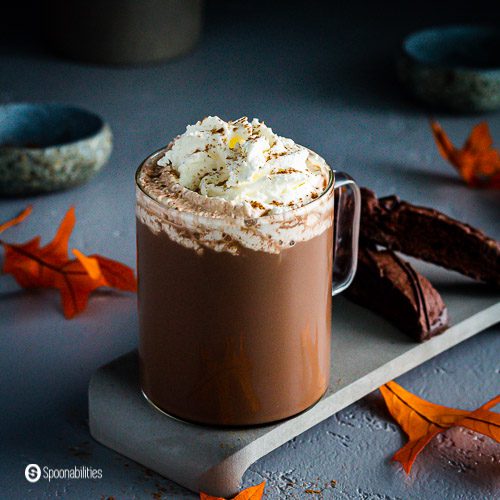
346	231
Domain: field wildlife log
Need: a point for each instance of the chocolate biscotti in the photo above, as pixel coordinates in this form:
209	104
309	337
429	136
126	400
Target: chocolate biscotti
429	235
390	286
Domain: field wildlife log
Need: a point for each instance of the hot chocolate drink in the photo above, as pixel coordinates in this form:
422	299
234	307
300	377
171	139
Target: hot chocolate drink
235	243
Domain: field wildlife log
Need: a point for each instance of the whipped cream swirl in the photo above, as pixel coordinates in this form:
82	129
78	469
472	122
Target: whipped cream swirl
246	164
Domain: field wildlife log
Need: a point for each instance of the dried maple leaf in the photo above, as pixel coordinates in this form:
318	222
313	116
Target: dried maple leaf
49	266
477	161
16	220
422	420
251	493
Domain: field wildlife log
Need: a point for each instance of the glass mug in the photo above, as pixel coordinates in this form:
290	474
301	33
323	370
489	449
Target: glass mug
241	336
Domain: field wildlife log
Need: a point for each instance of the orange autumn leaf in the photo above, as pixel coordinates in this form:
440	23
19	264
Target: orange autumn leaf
49	266
477	161
484	421
422	420
90	264
251	493
16	220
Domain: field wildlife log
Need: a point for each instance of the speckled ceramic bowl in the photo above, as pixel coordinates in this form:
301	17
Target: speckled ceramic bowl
47	147
454	67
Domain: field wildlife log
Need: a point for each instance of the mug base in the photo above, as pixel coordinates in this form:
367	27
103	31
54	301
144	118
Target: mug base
228	425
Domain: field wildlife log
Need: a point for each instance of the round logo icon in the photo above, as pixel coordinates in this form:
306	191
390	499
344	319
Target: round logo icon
32	473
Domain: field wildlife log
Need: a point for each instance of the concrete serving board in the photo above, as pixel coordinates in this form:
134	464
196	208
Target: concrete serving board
366	353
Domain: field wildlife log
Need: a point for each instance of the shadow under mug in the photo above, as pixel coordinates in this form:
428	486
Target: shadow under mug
239	336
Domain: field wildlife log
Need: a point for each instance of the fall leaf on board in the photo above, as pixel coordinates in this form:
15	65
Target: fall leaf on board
422	420
251	493
49	266
477	161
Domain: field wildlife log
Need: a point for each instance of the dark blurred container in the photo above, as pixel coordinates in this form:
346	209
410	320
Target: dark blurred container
123	31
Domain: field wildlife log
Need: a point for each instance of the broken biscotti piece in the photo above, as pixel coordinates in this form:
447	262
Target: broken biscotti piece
429	235
390	286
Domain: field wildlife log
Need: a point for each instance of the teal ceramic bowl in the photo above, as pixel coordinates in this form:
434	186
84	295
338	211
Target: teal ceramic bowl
453	67
47	147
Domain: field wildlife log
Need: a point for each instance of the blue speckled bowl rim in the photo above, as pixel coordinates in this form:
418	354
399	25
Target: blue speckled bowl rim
102	127
472	69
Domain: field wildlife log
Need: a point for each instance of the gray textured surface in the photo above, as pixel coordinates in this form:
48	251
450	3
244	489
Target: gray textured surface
329	84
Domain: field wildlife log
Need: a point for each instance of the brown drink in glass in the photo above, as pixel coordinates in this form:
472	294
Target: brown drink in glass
234	310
